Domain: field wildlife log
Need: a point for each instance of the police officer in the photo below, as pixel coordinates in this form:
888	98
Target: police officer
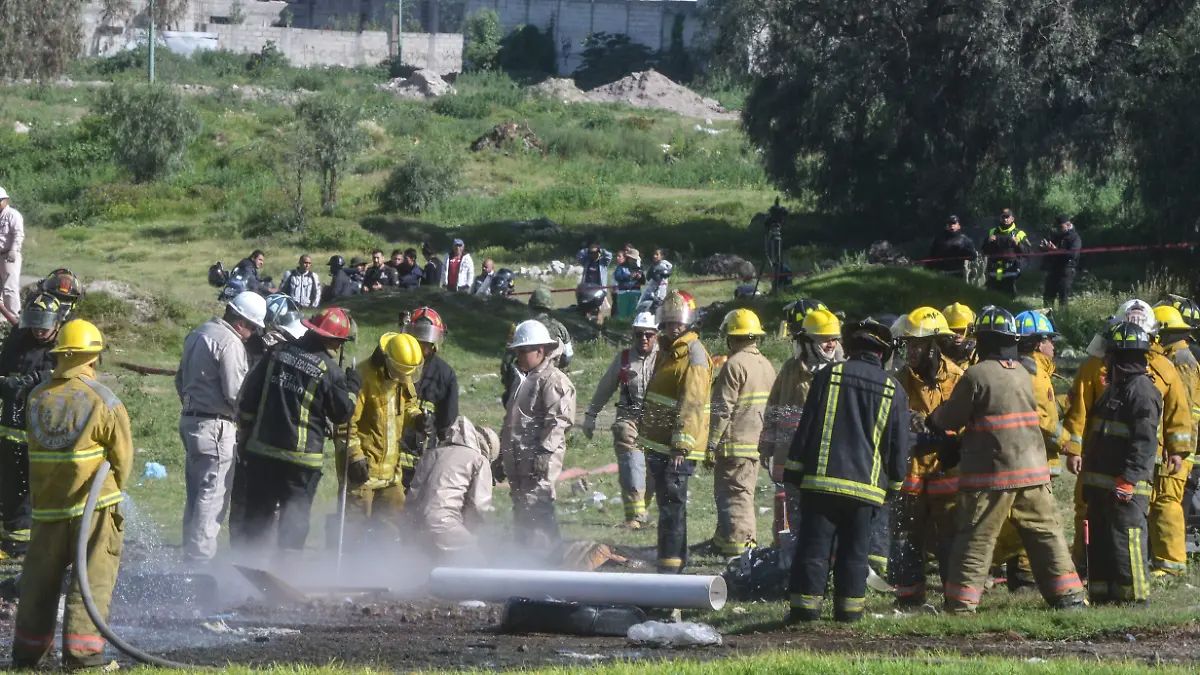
1118	465
1060	266
1004	245
1002	473
75	425
849	452
437	392
287	403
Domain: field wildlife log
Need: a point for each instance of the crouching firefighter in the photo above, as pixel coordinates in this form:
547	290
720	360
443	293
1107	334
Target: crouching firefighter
75	425
1119	452
851	449
628	374
1003	473
369	465
25	362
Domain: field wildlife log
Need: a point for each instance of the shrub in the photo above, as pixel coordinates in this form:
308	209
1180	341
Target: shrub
332	124
529	51
463	106
337	234
482	33
149	128
420	183
267	61
607	57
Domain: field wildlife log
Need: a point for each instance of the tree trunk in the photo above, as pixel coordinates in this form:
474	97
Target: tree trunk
331	194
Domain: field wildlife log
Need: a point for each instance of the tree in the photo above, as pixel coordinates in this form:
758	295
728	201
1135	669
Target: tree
149	128
917	107
332	122
39	39
482	33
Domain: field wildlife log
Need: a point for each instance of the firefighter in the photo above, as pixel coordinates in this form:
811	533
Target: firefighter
371	471
816	343
65	287
739	401
1190	312
849	452
923	511
1120	449
1004	246
75	425
628	374
287	402
25	362
541	300
437	392
675	422
533	442
1002	472
1176	441
961	319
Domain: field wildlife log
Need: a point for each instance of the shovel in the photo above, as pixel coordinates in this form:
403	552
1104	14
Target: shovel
272	587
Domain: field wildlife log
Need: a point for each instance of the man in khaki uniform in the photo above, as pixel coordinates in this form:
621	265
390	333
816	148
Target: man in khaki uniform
533	441
629	373
739	400
12	239
1003	473
75	425
452	490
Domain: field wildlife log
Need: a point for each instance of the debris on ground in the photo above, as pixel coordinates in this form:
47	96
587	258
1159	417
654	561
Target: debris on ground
560	89
651	89
472	604
421	85
154	470
508	132
254	632
20	128
586	556
726	265
883	253
683	634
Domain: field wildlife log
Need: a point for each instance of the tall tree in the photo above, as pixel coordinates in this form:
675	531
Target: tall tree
39	38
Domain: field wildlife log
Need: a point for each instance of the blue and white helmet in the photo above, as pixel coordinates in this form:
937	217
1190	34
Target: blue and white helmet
283	314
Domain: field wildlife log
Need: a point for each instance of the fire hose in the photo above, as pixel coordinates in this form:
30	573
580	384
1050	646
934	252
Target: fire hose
85	589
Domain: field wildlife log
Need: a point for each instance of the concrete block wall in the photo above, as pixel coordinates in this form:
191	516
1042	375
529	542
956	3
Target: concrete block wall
648	22
440	52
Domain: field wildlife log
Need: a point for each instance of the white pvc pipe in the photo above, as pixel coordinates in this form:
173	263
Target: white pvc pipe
642	590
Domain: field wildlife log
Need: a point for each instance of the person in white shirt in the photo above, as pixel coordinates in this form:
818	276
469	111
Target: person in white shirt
459	270
12	238
302	284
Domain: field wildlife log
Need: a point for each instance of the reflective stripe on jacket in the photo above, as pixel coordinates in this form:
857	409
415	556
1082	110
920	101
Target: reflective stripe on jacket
1123	436
675	414
739	401
375	429
925	473
1054	435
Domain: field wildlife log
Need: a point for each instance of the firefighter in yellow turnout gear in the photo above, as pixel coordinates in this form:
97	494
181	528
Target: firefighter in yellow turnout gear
923	512
75	424
385	404
739	400
1176	439
961	319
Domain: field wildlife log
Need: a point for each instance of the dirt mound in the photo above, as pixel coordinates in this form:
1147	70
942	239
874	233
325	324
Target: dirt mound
559	89
420	85
508	132
652	89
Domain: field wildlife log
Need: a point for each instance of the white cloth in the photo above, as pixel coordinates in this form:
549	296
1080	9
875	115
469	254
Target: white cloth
208	478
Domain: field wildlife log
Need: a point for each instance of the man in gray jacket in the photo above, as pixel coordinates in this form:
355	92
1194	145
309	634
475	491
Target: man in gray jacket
628	374
208	382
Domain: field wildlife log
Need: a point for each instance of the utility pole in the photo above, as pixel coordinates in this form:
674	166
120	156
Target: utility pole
151	41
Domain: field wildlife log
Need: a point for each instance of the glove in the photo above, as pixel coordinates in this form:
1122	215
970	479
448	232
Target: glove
353	381
710	457
1124	489
541	466
589	426
357	472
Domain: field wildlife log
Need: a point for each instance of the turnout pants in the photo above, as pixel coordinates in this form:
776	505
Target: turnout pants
733	484
1011	553
51	551
670	493
16	513
1117	550
631	470
981	515
923	523
374	512
208	476
1168	531
534	497
836	529
274	485
237	503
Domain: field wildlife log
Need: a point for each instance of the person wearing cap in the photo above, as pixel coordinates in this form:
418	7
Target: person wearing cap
1003	475
850	451
816	344
459	271
76	424
287	403
952	250
302	284
627	376
25	361
12	239
543	302
208	381
341	282
1118	467
452	493
1063	259
437	392
358	272
368	454
673	429
1005	246
739	402
533	440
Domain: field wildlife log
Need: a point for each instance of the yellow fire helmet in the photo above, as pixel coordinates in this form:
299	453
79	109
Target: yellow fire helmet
959	317
821	325
79	337
1170	318
742	322
922	322
403	352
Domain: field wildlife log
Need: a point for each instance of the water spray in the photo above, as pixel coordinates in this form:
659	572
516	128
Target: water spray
345	490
